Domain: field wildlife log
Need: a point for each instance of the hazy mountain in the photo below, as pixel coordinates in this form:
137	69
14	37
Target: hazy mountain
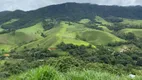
72	12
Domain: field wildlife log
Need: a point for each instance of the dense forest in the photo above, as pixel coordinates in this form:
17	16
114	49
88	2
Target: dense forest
69	11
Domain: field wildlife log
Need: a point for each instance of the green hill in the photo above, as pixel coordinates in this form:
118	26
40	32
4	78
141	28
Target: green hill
132	22
137	32
67	32
19	37
74	33
62	33
103	21
97	37
10	21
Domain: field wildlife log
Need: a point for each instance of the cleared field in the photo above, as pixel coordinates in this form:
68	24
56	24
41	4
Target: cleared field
126	47
20	37
62	33
105	28
84	21
6	47
104	22
132	22
10	21
99	19
137	32
33	31
76	34
1	29
97	37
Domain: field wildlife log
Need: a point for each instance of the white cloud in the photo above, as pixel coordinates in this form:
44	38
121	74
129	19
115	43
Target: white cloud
34	4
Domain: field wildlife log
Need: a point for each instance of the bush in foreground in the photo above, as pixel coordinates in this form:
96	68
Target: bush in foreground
49	73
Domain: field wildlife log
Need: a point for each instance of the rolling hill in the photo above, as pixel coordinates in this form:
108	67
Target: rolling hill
19	37
61	33
99	37
137	32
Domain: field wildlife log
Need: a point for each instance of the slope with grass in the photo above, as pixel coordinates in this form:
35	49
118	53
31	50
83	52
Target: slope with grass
99	19
132	22
126	47
62	33
103	22
13	39
74	33
6	47
97	37
1	29
105	28
84	21
10	21
33	31
137	32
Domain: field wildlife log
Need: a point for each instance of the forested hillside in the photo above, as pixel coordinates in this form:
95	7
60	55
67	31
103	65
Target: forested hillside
69	11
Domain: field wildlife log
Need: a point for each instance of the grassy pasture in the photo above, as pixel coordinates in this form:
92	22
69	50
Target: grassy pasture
10	21
97	37
132	22
62	33
137	32
20	37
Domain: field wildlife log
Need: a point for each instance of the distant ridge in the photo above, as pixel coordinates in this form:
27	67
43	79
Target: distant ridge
71	12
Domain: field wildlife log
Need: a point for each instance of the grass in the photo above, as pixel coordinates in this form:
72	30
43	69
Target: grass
5	47
97	37
99	19
132	22
84	21
33	31
41	73
10	21
2	62
14	38
68	36
126	47
105	29
1	29
104	22
20	37
137	32
93	75
74	33
62	33
49	73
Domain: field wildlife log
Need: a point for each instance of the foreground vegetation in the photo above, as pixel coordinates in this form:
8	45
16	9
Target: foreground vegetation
49	73
74	62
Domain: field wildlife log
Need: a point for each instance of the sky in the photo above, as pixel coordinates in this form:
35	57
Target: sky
27	5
